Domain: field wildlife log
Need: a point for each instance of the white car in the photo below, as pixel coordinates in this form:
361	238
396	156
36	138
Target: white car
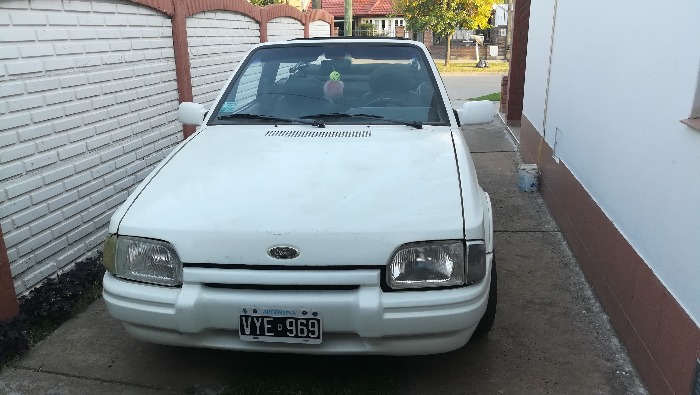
326	204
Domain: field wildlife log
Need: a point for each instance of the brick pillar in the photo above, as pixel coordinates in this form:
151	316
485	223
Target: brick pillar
8	298
504	94
516	77
400	31
182	59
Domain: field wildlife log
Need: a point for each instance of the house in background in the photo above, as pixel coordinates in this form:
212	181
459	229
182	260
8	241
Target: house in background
376	18
463	45
497	41
617	139
377	13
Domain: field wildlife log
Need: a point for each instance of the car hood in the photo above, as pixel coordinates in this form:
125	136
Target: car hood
340	196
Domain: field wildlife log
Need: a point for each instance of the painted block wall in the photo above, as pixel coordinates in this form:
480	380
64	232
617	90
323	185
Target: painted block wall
539	40
619	130
88	103
319	29
282	29
217	41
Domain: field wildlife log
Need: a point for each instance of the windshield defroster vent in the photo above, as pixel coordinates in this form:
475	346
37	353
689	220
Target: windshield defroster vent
300	133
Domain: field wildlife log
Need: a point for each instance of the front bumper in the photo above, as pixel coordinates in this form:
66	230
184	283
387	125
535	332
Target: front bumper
363	320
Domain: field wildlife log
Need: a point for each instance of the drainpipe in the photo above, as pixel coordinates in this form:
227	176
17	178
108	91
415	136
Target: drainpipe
9	307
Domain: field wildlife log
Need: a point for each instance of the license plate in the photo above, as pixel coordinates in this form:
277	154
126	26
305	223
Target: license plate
280	325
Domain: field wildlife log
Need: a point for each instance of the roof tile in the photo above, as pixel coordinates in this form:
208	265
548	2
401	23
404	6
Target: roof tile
359	7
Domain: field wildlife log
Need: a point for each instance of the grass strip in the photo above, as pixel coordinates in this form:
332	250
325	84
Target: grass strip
496	96
470	67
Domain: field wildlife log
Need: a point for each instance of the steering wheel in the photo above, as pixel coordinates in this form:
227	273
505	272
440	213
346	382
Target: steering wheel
386	102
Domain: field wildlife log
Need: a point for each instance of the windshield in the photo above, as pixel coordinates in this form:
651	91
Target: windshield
344	83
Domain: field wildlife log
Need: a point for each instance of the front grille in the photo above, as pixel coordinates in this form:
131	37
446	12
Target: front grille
282	278
332	134
279	267
259	287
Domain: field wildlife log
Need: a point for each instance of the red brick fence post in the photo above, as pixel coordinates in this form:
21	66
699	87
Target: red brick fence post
8	298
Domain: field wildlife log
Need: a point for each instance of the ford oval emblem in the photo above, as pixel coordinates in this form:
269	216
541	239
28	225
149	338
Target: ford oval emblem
283	252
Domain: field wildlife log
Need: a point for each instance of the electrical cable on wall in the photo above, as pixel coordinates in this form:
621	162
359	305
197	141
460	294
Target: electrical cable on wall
549	75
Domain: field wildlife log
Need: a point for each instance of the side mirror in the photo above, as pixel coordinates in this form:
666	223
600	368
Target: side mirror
191	113
476	113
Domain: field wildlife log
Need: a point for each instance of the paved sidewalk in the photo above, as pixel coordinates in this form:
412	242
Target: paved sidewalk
550	335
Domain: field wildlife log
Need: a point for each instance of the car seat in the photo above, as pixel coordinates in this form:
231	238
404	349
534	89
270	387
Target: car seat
302	96
391	86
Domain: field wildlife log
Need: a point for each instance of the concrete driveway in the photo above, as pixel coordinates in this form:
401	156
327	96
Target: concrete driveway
550	336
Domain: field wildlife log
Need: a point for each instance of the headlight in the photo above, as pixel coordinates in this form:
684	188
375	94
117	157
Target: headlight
427	264
437	264
145	260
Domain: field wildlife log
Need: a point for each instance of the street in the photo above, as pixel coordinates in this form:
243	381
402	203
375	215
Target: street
462	87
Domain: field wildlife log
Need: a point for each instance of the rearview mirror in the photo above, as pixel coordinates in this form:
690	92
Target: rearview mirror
476	113
191	113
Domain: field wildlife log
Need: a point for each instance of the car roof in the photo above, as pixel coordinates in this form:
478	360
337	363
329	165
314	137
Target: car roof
364	38
345	40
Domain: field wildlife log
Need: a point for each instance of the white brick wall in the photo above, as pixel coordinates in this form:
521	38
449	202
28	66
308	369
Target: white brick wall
88	104
217	43
319	29
282	29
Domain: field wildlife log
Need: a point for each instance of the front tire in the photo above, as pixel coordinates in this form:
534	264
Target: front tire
486	322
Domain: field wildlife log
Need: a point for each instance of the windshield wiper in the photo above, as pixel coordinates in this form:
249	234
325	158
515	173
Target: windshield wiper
269	118
414	124
341	115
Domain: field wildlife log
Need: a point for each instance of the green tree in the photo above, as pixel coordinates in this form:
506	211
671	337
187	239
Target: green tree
263	3
444	17
366	29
